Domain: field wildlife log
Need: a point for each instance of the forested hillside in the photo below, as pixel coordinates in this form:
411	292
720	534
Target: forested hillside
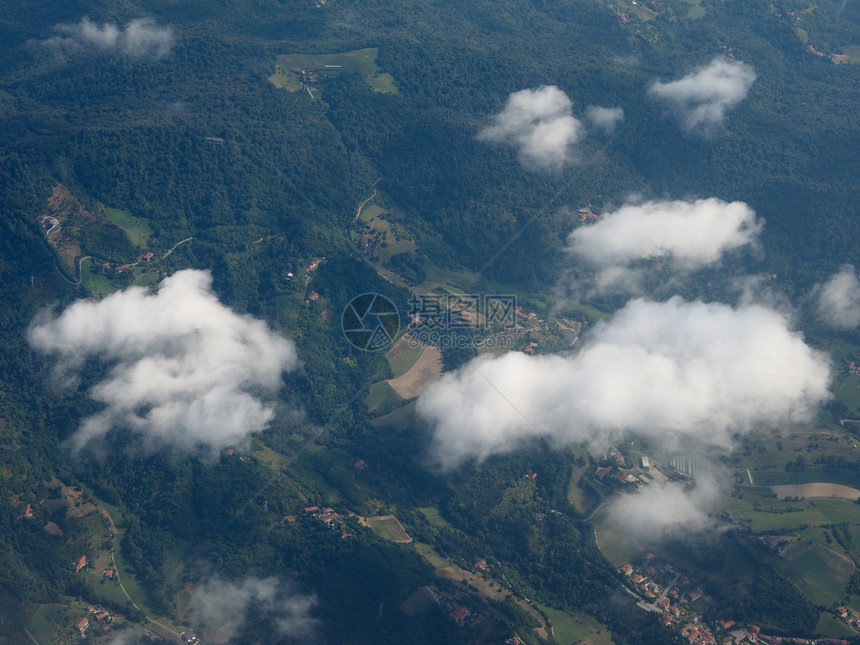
143	139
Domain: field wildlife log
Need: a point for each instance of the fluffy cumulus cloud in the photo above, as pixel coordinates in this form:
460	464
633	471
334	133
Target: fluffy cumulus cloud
185	370
222	607
604	118
692	234
660	509
139	38
671	371
702	98
839	299
540	124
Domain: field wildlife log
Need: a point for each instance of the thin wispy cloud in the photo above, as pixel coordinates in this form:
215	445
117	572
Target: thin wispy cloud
183	370
701	99
140	38
838	299
222	607
658	510
604	118
539	123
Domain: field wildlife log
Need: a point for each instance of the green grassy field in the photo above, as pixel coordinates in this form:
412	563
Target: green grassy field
402	356
381	396
391	237
614	546
819	571
400	418
853	53
419	602
145	278
778	478
811	513
383	82
129	582
285	80
848	391
592	313
137	229
433	516
96	285
381	529
833	627
580	498
566	629
388	528
107	589
429	554
359	61
48	619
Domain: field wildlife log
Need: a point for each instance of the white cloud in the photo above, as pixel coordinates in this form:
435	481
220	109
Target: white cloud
141	38
223	606
701	99
692	234
604	118
539	123
185	371
659	509
669	371
839	299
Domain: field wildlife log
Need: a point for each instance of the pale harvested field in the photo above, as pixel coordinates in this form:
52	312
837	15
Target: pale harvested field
817	489
427	369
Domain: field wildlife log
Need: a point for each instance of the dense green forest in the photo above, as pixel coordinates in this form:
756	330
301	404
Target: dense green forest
276	186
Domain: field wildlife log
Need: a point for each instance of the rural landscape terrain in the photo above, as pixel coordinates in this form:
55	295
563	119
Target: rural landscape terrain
524	321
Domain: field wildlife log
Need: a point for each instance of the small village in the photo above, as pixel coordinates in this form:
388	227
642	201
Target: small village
659	587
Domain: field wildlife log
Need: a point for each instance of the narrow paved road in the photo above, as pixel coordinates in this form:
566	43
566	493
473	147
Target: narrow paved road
187	239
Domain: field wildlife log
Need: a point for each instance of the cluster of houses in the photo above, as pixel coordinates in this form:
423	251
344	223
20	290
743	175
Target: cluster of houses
849	616
189	637
611	474
99	615
314	76
660	588
456	610
325	515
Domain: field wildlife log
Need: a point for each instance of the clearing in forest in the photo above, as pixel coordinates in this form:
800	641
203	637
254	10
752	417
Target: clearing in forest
295	71
426	369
